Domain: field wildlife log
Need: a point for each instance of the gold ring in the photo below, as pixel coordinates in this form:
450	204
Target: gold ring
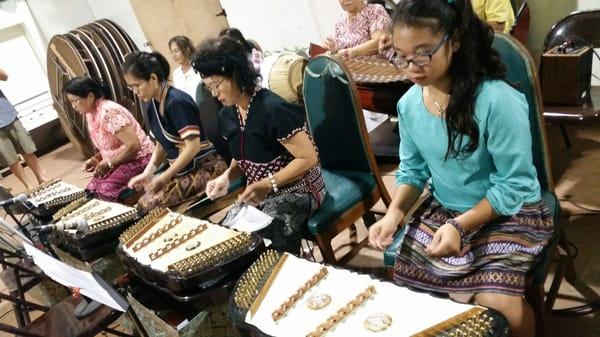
378	322
317	302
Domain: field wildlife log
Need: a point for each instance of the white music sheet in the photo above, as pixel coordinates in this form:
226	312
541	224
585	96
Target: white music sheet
72	277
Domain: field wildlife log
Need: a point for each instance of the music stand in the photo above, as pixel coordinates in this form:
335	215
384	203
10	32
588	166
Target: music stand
89	284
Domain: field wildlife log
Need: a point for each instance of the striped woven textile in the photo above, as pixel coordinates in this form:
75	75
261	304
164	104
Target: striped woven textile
495	258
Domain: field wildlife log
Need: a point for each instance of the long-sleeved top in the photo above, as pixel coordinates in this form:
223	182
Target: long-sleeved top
501	168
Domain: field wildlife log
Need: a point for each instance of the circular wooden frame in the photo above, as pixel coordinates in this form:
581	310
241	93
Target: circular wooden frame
64	62
96	50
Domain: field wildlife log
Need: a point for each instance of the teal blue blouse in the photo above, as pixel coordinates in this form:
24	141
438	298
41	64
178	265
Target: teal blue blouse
501	169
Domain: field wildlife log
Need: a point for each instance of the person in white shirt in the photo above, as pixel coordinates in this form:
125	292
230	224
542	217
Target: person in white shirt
184	77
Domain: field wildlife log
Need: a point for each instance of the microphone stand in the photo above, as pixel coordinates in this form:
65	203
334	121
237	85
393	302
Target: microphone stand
20	225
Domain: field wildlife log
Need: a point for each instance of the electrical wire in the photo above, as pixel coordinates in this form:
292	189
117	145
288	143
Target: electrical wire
591	46
6	313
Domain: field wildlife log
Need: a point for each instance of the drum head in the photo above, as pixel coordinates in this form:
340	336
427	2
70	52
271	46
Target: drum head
283	74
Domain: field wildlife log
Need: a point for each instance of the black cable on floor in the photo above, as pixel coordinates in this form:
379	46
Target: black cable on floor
6	313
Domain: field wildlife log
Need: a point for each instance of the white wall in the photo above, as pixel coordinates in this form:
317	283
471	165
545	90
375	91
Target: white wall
588	4
60	16
283	24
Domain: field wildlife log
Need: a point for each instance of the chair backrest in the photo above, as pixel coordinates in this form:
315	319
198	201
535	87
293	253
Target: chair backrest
580	27
522	73
209	108
335	117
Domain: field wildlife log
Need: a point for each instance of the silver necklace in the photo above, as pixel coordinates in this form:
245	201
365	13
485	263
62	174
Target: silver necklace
441	107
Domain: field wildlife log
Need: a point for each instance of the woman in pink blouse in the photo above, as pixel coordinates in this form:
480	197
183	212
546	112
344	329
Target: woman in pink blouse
357	33
123	148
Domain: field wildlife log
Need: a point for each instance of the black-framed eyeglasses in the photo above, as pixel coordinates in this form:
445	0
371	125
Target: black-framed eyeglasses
214	89
420	60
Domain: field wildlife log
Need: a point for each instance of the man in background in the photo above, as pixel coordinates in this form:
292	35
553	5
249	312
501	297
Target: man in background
14	140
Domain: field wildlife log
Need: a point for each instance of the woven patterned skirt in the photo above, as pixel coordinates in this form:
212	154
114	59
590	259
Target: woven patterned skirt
109	186
495	258
185	187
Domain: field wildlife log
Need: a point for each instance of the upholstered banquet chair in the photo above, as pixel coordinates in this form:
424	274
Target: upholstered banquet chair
352	179
521	72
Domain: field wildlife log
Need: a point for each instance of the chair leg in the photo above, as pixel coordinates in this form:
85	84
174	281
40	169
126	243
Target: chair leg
326	249
565	135
557	280
569	268
535	297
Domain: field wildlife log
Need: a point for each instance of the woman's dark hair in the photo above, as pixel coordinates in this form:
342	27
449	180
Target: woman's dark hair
81	86
225	56
184	44
235	34
473	62
142	64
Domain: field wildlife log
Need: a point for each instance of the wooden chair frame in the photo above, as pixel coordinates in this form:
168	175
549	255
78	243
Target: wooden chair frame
363	208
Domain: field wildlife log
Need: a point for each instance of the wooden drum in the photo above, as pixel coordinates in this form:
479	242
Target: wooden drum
282	73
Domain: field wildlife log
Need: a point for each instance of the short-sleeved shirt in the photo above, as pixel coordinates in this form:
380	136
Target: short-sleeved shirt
500	169
181	120
495	10
351	32
104	123
258	146
8	113
187	82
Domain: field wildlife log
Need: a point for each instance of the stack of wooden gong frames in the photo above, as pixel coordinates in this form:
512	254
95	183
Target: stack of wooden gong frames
96	50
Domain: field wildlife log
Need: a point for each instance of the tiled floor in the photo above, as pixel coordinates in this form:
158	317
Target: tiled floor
576	173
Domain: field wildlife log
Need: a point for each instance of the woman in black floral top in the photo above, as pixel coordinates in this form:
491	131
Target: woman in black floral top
269	142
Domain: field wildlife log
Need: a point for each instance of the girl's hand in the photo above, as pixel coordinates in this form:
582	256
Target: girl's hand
446	242
381	233
257	192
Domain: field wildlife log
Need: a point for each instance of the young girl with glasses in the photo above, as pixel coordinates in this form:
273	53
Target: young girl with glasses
465	131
